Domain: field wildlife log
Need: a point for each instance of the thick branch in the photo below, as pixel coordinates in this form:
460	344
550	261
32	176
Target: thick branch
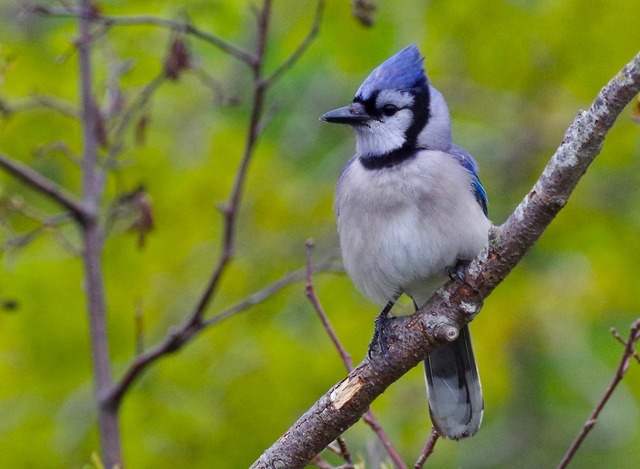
45	186
93	243
457	303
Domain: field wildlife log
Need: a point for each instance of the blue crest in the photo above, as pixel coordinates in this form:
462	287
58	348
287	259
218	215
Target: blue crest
404	71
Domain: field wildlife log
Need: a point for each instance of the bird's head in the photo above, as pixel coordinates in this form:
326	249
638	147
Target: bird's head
396	107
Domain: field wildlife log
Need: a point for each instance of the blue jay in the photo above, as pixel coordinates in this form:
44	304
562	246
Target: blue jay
410	210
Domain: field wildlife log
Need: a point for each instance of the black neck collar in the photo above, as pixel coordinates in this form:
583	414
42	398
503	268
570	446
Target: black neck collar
389	160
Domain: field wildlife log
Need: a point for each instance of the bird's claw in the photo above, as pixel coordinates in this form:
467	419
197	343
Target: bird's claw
457	271
381	337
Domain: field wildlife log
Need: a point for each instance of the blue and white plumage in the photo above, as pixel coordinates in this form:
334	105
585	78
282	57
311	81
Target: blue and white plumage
410	208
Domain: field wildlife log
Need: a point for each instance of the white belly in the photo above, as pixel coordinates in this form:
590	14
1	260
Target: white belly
400	228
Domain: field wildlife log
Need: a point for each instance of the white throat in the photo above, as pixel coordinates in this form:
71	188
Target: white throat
380	138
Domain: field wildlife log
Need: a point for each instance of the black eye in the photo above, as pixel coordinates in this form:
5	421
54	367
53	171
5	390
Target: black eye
389	109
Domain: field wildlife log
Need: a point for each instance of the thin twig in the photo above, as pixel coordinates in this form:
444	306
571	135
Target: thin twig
339	449
616	335
148	20
181	334
267	292
623	366
344	452
302	48
195	322
46	186
321	463
428	449
57	146
42	101
230	210
369	417
138	319
310	292
127	116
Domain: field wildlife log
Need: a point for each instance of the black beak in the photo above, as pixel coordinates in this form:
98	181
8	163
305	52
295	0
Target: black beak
353	115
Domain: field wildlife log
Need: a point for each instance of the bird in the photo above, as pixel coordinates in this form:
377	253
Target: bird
411	211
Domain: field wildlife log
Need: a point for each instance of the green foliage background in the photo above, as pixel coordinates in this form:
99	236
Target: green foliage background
514	73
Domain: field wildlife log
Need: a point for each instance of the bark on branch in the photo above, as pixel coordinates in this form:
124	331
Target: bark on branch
457	303
46	186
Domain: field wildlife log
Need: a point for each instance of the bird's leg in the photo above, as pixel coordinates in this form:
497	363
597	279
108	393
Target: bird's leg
456	272
381	330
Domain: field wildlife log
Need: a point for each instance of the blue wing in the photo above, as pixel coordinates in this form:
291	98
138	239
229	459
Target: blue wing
467	161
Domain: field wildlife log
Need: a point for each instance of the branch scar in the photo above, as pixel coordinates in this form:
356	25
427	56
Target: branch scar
343	393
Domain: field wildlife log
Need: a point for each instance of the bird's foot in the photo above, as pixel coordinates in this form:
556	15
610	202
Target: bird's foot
382	334
456	272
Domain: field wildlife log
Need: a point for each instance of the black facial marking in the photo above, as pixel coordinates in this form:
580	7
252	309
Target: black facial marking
421	110
369	104
391	159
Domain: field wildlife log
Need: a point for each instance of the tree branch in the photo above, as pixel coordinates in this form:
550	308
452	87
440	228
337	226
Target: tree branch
230	210
623	366
369	417
45	186
302	48
456	303
183	333
428	449
625	343
195	322
93	244
148	20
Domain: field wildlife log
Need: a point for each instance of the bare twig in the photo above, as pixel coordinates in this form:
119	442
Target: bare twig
456	303
182	333
310	292
369	417
92	24
139	326
267	292
302	48
57	146
147	20
195	322
339	449
93	242
616	335
42	101
428	449
321	463
127	115
230	210
46	186
48	224
344	452
623	366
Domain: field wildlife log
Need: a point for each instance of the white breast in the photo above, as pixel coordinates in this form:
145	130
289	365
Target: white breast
401	227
